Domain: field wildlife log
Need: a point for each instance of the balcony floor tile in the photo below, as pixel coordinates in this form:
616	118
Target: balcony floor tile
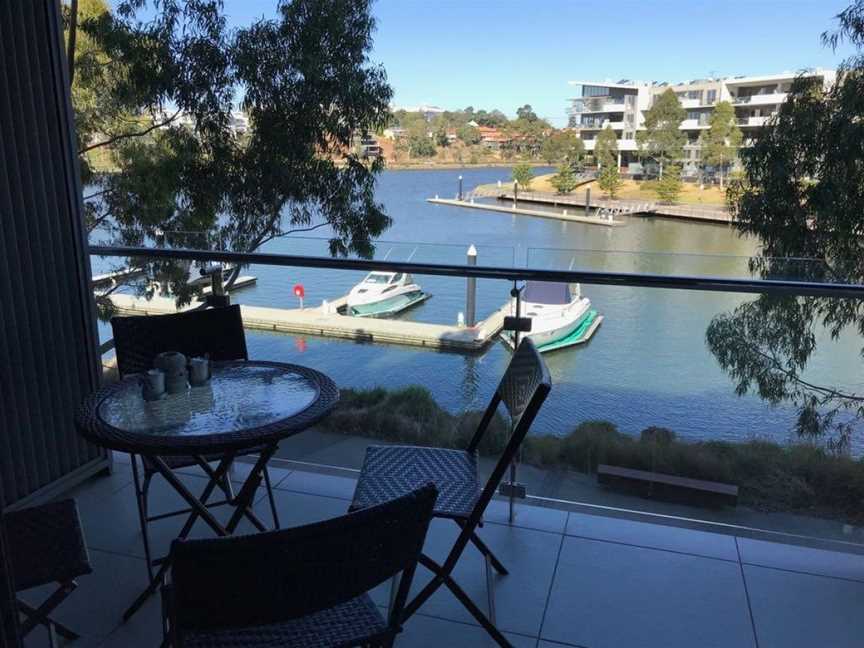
95	608
641	534
520	596
423	631
792	610
611	595
802	559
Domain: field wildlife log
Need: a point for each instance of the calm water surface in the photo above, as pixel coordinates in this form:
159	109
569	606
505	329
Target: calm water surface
647	364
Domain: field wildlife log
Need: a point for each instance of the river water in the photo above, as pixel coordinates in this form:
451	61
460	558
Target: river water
647	364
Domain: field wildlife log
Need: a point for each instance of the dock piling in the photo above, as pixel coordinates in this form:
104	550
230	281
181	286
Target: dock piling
587	202
471	290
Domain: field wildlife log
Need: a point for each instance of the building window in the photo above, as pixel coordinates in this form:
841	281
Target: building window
594	91
695	94
712	97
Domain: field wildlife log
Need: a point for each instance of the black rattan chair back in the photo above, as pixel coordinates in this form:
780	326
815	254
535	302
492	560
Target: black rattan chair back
217	332
273	577
522	390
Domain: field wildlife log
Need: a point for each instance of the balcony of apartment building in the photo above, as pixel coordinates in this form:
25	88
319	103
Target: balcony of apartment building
760	99
598	551
600	104
753	121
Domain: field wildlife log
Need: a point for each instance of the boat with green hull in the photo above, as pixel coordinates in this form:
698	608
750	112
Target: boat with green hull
381	294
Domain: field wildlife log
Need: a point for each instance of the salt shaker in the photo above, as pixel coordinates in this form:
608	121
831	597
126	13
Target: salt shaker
199	371
154	384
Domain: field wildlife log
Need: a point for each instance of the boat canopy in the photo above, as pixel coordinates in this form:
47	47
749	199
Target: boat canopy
546	292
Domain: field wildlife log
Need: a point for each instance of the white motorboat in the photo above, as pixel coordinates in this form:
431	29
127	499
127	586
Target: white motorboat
384	293
560	315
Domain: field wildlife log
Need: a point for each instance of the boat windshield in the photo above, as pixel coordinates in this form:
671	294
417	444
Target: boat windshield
378	278
544	292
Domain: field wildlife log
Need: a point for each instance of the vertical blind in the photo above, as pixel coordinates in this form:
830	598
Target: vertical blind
48	344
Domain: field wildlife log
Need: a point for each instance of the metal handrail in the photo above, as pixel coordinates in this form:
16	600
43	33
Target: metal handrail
639	280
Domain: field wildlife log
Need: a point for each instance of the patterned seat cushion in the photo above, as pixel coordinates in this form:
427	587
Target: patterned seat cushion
349	624
391	471
46	544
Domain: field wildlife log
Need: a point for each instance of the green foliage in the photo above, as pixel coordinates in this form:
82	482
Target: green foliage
527	113
565	180
609	178
802	196
606	147
720	143
142	68
662	139
562	145
468	134
771	477
523	174
441	137
669	185
421	146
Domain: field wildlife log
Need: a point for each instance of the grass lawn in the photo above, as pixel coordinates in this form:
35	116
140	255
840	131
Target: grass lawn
691	194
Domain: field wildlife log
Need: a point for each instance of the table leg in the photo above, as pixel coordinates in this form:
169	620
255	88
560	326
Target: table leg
197	508
246	496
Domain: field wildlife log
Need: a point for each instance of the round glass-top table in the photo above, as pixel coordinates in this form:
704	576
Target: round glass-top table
244	404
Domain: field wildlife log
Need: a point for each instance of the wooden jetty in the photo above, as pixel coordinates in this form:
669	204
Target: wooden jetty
562	216
326	321
242	282
637	208
110	278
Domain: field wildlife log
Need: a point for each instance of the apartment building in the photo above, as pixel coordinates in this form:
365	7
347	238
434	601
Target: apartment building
622	106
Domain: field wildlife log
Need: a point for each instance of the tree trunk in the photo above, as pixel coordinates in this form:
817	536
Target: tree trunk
73	35
661	169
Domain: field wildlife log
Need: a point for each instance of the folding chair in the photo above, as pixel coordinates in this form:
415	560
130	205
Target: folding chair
214	332
302	587
46	545
10	625
389	471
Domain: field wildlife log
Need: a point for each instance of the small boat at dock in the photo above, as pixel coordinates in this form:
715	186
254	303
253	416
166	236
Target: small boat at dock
384	293
560	316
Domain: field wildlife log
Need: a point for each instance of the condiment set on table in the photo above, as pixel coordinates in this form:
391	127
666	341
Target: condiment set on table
174	374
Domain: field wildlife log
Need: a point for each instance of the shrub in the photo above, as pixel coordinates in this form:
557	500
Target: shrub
657	435
669	186
523	175
770	476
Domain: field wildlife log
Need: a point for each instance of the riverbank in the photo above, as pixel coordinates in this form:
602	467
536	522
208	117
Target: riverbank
800	479
645	191
421	165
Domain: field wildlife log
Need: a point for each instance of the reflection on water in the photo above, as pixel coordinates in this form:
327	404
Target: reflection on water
646	365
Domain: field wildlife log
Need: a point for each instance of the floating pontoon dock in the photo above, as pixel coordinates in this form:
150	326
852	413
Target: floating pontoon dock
326	321
563	216
110	278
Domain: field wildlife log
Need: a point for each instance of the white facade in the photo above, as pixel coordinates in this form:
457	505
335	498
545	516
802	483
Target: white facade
622	106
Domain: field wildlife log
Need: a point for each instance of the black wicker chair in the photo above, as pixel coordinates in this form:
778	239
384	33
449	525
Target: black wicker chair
214	332
46	545
389	471
10	625
304	587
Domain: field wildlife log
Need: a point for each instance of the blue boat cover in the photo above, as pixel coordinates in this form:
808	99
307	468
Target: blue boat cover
545	292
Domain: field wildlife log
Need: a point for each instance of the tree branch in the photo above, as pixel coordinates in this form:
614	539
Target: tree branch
73	35
827	392
116	138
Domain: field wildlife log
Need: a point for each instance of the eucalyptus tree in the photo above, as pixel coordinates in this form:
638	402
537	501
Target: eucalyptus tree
802	195
663	140
163	160
720	143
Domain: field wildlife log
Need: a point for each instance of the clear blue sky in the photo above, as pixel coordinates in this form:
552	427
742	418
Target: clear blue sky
456	53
